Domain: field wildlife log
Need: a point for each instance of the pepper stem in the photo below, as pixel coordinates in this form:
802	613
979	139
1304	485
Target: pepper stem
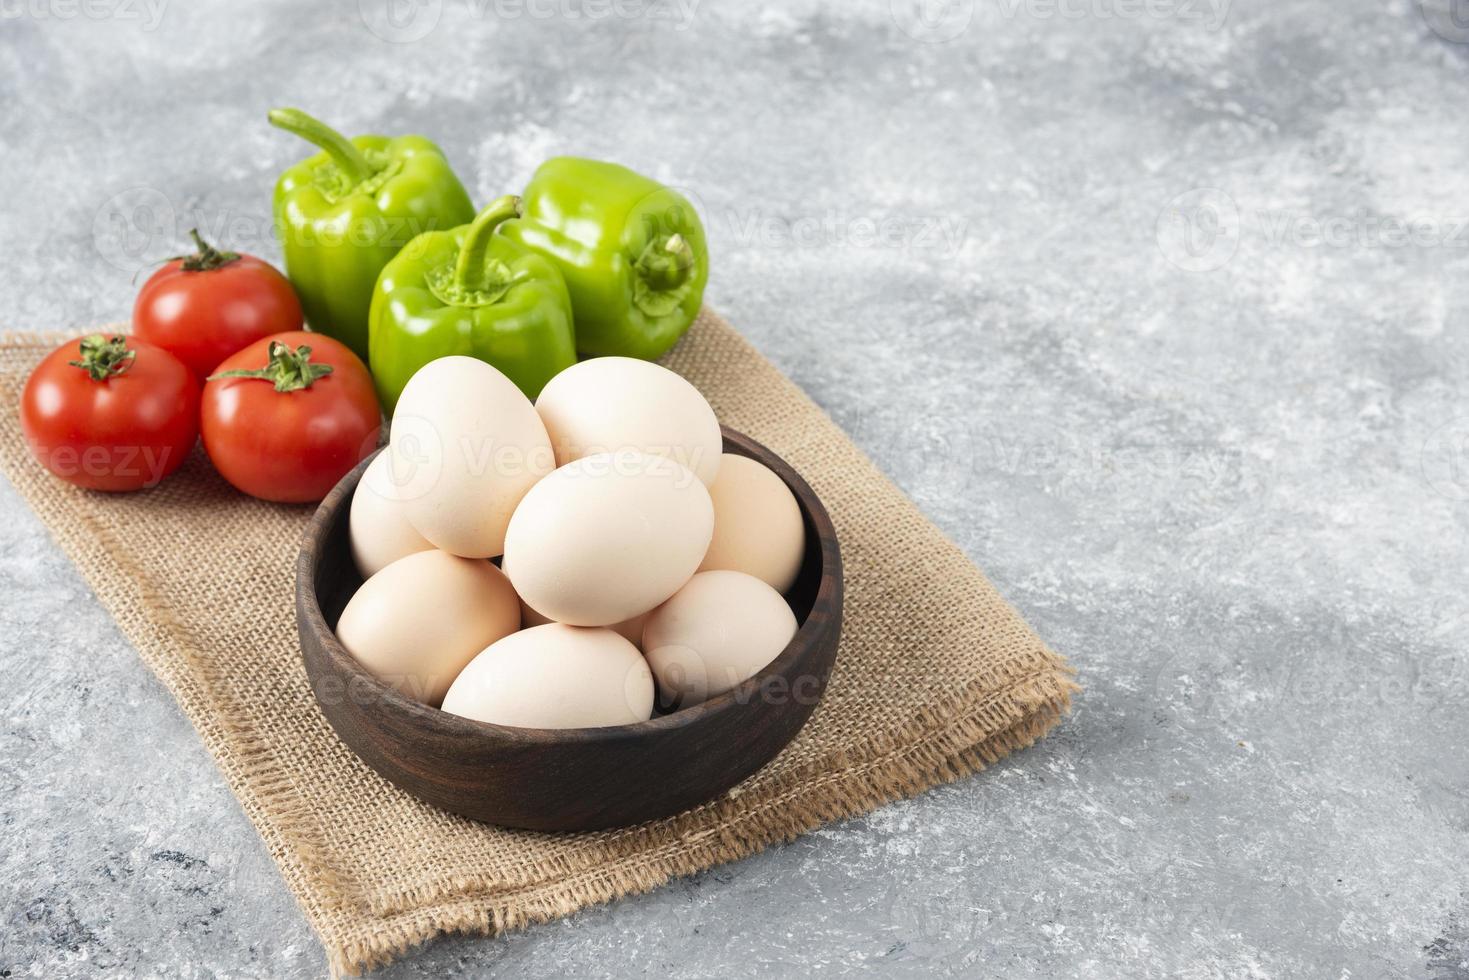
666	263
289	370
205	256
104	357
470	273
343	152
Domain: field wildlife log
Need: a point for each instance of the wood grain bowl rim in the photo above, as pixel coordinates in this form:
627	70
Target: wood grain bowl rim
828	596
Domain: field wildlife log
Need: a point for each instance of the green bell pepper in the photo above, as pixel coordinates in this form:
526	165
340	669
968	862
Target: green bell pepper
632	251
343	213
470	291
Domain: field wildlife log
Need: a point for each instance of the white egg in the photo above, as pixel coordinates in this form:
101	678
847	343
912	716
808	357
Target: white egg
610	404
719	630
466	445
757	524
608	537
377	522
629	629
415	624
555	676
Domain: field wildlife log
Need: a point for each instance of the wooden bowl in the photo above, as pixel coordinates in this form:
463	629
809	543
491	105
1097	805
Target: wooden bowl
569	779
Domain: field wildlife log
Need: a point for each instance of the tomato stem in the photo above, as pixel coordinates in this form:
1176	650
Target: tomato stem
206	256
288	370
104	357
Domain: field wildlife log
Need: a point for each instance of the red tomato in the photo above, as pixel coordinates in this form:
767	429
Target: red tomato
110	413
204	307
290	429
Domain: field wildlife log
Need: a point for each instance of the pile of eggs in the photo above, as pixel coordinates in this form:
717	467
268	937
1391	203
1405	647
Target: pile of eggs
637	560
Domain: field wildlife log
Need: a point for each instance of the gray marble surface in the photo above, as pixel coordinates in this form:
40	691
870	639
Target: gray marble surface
1156	306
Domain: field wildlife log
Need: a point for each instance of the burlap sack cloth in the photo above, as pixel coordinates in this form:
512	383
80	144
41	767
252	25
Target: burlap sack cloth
937	676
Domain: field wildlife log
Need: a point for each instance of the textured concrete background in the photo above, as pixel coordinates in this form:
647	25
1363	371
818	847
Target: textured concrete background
1156	306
